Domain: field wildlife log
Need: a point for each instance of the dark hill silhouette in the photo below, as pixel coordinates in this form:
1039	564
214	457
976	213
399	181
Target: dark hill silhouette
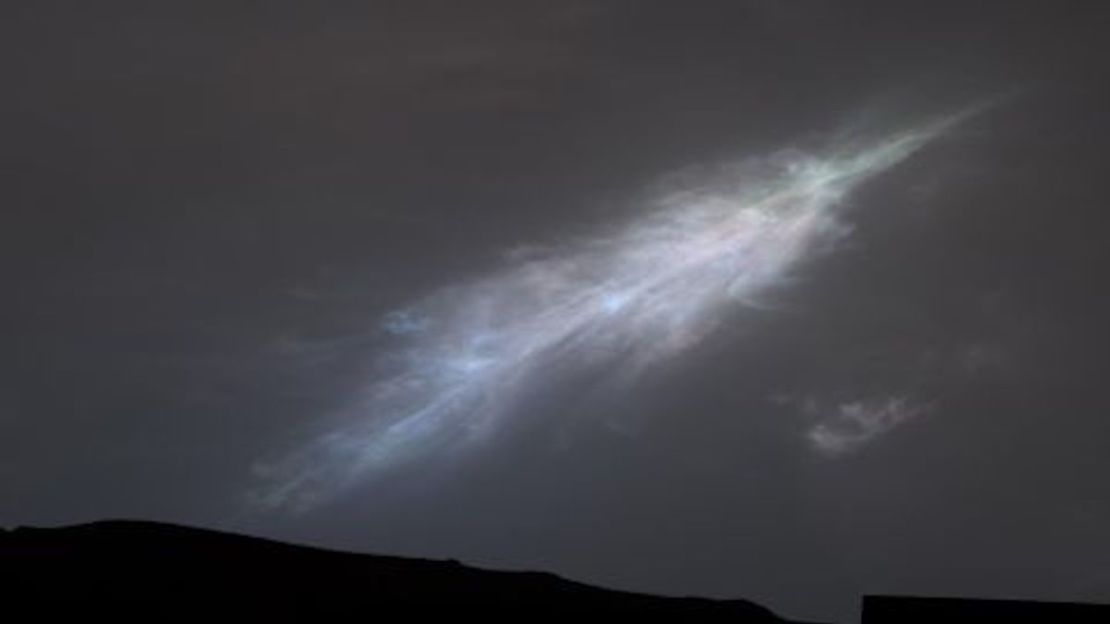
918	610
157	572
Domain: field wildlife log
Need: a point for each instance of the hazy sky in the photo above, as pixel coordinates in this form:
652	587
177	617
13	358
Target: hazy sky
223	221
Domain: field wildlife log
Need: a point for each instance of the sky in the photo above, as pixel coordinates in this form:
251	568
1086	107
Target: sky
789	301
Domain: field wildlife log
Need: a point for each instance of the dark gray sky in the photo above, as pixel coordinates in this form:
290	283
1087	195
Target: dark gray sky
204	202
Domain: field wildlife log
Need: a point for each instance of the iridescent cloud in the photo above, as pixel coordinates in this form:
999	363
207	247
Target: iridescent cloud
616	303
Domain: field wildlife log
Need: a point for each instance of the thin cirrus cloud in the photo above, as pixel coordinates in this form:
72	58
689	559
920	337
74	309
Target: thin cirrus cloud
635	296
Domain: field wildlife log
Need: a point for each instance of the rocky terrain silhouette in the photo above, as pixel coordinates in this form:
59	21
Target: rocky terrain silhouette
158	572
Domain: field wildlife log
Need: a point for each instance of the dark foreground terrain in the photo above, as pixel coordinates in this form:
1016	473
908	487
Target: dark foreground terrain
157	572
911	610
144	571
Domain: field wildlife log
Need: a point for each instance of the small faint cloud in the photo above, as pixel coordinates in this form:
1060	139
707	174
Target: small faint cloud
856	423
807	405
979	358
404	322
302	293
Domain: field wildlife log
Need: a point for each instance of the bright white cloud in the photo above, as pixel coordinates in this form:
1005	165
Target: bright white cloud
619	302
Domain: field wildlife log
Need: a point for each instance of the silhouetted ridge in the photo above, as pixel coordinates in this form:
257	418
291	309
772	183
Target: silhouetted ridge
920	610
158	571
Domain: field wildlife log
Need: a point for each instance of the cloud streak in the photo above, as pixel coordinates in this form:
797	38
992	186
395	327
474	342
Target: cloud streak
858	423
615	303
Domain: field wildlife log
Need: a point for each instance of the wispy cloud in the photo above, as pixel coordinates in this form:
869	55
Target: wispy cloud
460	361
857	423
